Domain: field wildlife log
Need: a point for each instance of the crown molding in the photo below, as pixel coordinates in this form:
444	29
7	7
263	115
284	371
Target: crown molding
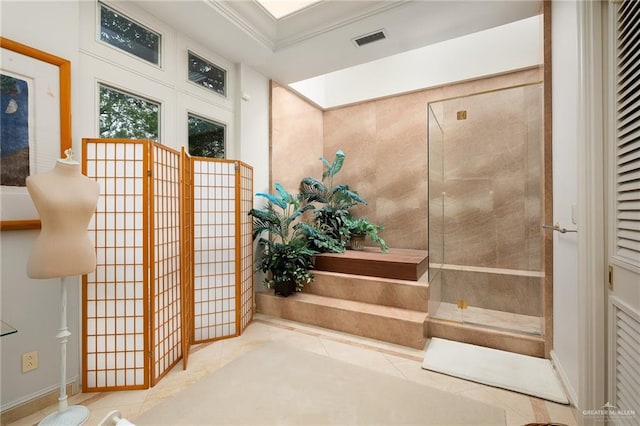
312	21
250	18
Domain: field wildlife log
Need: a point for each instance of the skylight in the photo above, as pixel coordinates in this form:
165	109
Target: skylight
281	8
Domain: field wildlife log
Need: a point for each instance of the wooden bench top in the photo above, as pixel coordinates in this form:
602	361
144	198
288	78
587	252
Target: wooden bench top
402	264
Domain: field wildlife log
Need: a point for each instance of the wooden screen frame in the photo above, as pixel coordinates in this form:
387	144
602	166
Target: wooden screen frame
155	346
186	237
237	331
237	185
144	160
244	246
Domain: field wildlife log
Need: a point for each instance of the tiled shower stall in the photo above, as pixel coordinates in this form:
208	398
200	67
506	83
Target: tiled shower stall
485	209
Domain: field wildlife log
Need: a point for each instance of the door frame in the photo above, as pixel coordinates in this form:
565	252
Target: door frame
592	258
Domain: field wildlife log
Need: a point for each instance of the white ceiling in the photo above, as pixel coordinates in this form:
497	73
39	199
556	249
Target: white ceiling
318	39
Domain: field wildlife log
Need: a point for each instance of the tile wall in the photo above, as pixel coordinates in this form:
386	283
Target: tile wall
296	139
484	170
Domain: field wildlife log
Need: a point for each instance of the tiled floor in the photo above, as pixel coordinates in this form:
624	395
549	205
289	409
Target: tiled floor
385	358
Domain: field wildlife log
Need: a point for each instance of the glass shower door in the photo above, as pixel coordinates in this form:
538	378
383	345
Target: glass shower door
485	209
435	196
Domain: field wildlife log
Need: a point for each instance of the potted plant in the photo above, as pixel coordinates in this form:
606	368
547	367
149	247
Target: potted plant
360	229
328	231
285	256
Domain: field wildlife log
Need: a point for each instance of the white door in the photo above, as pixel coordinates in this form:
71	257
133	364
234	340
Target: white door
623	224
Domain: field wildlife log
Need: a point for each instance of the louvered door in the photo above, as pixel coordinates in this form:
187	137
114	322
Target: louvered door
624	223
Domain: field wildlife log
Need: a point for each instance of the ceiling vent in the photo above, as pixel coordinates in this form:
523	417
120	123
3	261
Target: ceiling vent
370	38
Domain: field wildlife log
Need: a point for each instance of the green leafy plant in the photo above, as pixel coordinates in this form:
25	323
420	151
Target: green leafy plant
285	255
328	232
288	265
363	227
319	236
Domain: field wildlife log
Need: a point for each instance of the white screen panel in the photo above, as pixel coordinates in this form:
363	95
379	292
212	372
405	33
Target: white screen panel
246	245
214	241
114	294
166	310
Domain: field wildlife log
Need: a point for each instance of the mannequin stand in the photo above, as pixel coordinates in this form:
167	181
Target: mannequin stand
76	414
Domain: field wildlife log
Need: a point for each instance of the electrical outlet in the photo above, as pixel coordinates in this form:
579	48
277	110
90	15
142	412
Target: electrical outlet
29	361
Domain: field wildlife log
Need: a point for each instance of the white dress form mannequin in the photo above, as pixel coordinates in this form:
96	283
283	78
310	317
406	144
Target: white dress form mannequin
65	200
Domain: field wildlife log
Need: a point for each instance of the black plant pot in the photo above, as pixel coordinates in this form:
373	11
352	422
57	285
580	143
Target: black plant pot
285	288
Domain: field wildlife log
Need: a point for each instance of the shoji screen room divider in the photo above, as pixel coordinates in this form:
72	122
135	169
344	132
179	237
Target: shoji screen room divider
174	255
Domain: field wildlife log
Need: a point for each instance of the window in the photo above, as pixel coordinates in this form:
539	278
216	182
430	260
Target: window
123	33
206	137
125	116
207	74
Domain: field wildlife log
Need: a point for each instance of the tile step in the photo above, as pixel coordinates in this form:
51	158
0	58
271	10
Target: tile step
385	323
482	336
405	294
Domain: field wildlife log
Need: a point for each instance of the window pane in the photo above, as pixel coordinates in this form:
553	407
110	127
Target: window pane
121	32
207	74
124	116
206	138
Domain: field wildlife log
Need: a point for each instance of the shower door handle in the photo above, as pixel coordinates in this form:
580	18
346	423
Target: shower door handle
558	228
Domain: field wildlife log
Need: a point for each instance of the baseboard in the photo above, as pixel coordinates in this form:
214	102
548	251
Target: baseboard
570	391
42	400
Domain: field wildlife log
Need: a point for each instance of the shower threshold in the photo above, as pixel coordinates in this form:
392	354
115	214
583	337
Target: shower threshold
505	321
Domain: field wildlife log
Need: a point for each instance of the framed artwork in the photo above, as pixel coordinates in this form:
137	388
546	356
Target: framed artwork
35	125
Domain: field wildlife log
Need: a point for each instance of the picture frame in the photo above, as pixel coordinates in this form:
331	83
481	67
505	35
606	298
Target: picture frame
37	85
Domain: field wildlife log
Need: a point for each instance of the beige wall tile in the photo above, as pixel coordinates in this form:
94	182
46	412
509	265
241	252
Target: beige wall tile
296	139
